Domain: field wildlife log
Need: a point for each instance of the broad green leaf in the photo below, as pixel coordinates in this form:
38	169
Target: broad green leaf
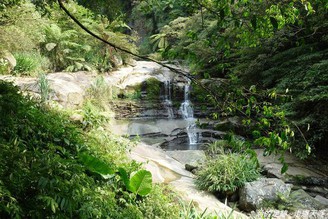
124	176
141	182
96	165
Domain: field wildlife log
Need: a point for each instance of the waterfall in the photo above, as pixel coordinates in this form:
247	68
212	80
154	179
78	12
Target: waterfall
187	113
168	99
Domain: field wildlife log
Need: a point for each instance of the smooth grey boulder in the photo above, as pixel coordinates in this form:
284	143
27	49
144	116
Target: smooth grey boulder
322	200
301	200
193	158
253	194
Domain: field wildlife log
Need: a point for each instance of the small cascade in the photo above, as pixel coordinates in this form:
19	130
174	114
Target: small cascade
168	99
187	113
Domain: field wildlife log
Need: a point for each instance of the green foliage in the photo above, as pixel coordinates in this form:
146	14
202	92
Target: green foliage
44	87
101	91
21	27
63	50
140	183
277	47
93	117
96	165
26	29
153	88
30	63
226	172
47	167
160	203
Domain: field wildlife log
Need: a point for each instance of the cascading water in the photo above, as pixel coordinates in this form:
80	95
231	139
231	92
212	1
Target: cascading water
187	113
168	99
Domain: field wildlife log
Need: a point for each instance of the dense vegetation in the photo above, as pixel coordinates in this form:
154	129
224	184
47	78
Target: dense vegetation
266	61
45	39
270	56
52	168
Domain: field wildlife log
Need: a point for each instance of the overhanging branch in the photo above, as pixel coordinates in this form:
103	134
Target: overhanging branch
175	70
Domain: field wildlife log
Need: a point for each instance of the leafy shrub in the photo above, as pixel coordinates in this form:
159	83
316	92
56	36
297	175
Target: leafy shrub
100	90
30	63
153	87
227	172
64	50
21	27
44	87
25	64
161	203
42	174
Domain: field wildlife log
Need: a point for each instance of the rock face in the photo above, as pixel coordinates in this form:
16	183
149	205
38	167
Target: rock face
68	89
322	200
188	157
131	76
301	200
296	168
253	194
299	214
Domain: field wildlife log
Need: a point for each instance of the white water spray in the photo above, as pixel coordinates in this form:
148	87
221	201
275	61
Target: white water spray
168	99
187	113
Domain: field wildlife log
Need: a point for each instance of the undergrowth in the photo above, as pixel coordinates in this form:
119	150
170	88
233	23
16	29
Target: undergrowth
42	174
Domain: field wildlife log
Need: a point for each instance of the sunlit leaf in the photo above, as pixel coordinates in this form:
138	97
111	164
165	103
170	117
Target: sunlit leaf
141	182
96	165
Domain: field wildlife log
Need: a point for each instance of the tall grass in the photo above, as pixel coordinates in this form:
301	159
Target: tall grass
44	87
30	63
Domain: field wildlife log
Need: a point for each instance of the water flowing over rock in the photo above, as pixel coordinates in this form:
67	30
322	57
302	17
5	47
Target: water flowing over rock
187	113
168	99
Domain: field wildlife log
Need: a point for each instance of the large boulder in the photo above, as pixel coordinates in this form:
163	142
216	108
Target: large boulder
190	158
301	200
254	194
69	89
322	200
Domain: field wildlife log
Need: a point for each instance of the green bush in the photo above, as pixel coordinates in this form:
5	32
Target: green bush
153	88
30	63
161	203
21	27
43	175
226	173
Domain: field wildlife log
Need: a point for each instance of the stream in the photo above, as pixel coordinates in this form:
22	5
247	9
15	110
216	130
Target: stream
175	128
